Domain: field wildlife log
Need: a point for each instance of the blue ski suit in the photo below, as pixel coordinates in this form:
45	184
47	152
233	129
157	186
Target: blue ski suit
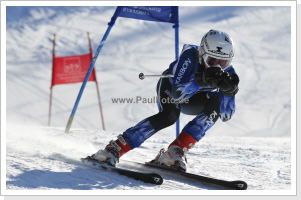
182	93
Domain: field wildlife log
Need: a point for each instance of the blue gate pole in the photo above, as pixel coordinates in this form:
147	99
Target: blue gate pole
176	27
110	25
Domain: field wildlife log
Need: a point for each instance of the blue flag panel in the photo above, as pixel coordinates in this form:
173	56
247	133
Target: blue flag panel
151	13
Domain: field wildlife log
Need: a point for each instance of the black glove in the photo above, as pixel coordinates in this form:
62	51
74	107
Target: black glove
208	76
229	84
213	75
216	77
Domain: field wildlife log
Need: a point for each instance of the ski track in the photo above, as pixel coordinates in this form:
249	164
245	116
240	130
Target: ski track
253	146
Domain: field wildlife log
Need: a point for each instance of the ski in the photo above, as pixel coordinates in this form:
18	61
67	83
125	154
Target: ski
152	178
204	180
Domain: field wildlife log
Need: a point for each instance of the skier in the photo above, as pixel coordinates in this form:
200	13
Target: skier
203	75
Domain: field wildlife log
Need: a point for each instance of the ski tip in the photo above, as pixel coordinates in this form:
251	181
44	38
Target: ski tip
239	185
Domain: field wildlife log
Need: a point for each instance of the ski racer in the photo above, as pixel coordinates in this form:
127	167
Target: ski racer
204	77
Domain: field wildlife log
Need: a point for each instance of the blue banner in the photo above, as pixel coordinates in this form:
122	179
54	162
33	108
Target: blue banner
151	13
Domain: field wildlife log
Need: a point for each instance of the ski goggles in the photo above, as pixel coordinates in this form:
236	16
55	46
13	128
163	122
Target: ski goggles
210	61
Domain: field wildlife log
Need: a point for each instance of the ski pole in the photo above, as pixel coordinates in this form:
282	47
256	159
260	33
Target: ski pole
142	76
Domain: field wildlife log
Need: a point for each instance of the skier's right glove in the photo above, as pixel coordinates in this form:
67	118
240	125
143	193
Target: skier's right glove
216	77
209	77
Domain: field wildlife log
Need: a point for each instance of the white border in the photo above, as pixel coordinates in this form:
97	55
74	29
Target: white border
149	3
293	98
3	97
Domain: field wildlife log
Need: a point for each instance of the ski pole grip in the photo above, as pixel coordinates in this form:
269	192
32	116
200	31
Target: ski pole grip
141	76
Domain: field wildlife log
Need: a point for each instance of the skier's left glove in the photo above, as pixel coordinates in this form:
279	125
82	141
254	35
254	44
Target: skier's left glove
216	77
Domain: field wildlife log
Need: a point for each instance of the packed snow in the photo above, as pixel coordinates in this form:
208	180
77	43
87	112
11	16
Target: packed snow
253	146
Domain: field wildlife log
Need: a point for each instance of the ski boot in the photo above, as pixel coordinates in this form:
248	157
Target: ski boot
173	158
112	152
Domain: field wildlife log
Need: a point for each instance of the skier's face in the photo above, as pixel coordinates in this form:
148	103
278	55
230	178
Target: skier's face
210	62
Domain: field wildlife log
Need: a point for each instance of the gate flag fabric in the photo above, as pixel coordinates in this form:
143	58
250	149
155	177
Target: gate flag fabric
71	69
150	13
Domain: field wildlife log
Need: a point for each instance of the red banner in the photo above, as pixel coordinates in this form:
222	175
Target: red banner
71	69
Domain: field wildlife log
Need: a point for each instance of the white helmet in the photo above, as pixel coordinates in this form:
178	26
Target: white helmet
216	49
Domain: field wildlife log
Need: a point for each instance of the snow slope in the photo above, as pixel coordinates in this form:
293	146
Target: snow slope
46	158
40	157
